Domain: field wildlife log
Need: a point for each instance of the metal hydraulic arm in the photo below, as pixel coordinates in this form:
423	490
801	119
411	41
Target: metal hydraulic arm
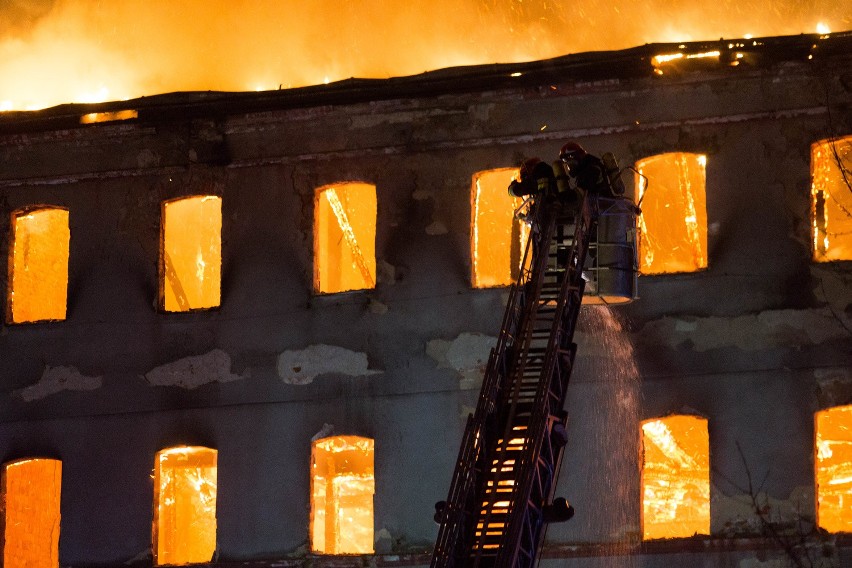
501	494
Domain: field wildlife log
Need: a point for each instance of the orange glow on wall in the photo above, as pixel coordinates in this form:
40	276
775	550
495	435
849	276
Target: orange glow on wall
345	237
675	477
497	238
834	468
184	528
831	199
38	265
31	491
191	257
673	224
342	488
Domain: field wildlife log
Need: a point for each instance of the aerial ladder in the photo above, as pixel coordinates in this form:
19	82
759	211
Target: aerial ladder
502	492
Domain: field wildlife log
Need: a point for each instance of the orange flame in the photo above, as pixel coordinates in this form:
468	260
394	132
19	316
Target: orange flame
58	51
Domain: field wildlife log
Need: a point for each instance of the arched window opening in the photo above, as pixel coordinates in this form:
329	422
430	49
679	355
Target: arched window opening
834	468
831	199
675	477
673	224
191	254
497	238
31	491
345	237
184	529
38	268
342	488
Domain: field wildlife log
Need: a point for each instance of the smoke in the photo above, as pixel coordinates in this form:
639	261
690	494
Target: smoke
54	51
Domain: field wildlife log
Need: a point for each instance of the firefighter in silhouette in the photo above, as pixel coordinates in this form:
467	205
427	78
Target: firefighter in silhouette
595	175
536	179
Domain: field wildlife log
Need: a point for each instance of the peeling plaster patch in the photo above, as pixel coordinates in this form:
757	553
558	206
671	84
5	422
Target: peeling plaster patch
377	307
58	379
735	515
193	372
750	333
385	273
301	367
467	354
436	228
383	541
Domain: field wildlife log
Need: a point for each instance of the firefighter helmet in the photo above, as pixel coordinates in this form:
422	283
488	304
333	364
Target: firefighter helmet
571	152
528	166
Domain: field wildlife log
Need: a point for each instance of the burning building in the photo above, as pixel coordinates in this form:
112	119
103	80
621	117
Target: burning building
250	326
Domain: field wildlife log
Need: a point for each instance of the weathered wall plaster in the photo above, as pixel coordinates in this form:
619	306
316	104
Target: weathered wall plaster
193	372
57	379
467	354
302	366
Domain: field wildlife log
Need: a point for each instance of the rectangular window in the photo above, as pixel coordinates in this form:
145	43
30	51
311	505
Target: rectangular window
345	238
342	488
191	259
831	199
673	224
834	469
498	239
31	491
675	477
184	528
39	265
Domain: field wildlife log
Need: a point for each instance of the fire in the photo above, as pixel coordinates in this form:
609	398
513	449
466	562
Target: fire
834	468
342	488
184	528
87	50
675	477
30	514
831	199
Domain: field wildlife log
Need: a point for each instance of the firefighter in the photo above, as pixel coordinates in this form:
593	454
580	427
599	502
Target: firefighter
537	179
591	173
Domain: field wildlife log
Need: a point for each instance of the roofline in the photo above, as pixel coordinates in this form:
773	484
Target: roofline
628	63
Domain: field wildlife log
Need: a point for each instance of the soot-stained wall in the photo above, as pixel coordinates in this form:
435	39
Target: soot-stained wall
756	343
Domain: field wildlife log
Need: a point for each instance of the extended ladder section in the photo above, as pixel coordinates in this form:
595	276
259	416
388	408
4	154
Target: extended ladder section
512	446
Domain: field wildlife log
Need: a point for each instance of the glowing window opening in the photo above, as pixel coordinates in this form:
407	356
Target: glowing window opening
191	255
38	265
345	237
342	488
833	466
497	238
831	199
184	528
31	493
111	116
673	225
675	477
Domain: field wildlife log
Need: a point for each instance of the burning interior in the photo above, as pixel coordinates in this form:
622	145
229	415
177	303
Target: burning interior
831	199
834	468
38	265
345	237
497	237
342	488
675	477
30	497
673	226
191	256
184	528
